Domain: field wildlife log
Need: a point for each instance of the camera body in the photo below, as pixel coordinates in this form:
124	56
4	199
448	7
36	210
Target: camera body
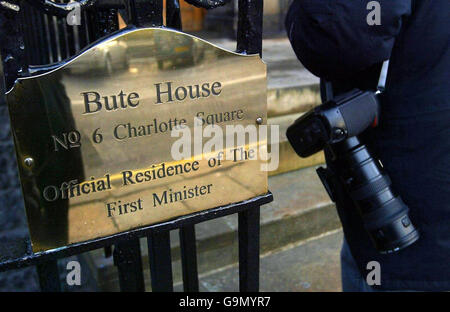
335	125
332	122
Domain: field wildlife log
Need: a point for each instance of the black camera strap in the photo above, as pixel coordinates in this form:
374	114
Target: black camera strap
383	76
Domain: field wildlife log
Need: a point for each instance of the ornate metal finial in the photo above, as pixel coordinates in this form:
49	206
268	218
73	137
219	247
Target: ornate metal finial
60	9
9	6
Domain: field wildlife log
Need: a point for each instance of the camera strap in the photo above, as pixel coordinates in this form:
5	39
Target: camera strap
383	76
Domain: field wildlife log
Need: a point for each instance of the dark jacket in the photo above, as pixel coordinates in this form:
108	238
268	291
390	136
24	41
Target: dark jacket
334	41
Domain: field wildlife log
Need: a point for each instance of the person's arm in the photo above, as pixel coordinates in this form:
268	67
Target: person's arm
333	40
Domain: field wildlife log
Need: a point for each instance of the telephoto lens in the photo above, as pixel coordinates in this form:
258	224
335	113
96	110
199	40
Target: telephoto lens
384	214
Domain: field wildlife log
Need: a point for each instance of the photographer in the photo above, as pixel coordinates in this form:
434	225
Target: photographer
345	42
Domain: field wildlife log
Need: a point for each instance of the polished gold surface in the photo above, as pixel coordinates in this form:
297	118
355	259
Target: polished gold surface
93	137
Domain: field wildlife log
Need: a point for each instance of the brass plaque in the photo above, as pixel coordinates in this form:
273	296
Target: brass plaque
94	137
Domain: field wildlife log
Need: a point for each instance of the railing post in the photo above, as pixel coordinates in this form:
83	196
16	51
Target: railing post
48	275
146	13
250	27
249	41
249	250
160	261
173	14
127	258
189	258
11	47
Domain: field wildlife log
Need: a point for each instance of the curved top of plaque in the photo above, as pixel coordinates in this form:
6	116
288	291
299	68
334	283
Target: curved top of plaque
160	44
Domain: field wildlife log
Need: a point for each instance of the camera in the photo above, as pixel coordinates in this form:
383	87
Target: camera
335	125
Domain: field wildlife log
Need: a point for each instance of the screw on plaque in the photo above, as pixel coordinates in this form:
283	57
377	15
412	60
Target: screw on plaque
259	120
29	162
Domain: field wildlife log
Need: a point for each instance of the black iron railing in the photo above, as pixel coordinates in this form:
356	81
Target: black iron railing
34	35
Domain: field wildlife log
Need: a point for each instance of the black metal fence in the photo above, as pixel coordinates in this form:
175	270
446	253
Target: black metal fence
34	36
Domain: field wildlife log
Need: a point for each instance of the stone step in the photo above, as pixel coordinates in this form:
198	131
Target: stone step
301	210
295	99
312	265
291	88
